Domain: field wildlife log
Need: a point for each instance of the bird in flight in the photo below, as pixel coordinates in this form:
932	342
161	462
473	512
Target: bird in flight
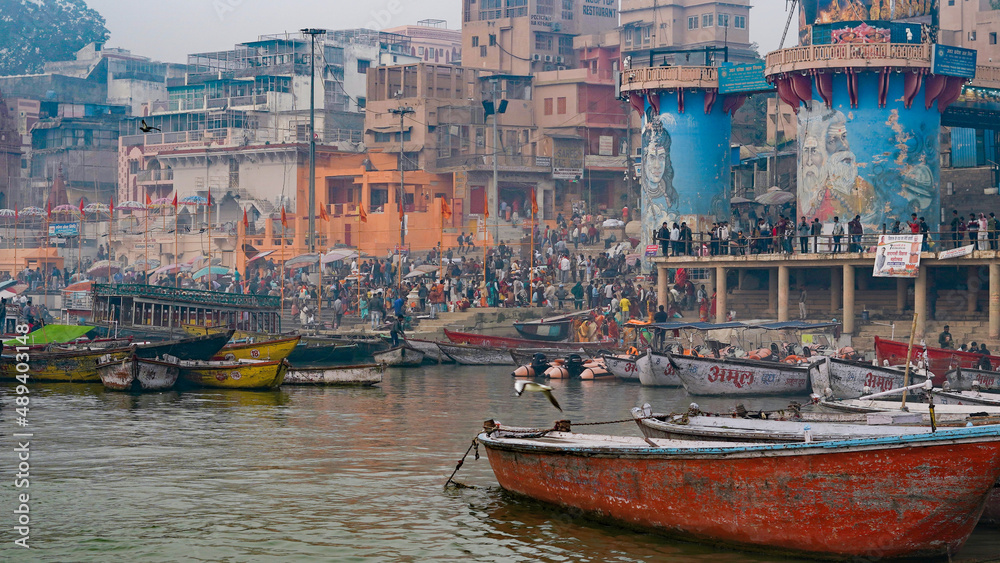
146	128
520	386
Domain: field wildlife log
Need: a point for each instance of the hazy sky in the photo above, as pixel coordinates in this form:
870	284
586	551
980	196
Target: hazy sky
168	30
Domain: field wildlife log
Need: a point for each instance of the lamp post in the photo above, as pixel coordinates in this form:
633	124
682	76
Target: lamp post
312	33
402	112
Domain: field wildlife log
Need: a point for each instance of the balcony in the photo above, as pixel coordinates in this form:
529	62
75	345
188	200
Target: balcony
155	176
987	77
667	77
849	55
505	162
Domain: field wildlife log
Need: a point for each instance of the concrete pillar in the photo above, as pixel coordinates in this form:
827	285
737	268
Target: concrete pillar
661	285
848	299
994	300
920	303
836	289
772	292
900	294
782	293
972	296
721	301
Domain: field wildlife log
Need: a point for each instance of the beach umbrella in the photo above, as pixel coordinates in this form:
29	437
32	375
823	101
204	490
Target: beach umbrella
65	210
161	203
32	212
339	254
215	271
422	270
193	200
131	205
103	268
172	269
737	200
302	260
775	196
96	208
260	255
7	213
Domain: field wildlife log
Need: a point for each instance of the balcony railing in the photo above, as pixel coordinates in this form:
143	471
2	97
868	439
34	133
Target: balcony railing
670	77
849	55
987	76
485	161
159	175
191	296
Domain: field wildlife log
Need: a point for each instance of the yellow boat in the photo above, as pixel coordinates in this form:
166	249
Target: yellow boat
267	350
235	374
71	365
197	330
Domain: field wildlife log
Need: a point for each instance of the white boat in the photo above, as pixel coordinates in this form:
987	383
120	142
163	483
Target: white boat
966	398
846	379
655	370
469	355
364	374
399	356
866	406
138	374
965	379
623	366
729	377
432	352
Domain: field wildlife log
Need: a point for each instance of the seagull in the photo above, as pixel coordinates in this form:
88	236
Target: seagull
520	386
146	128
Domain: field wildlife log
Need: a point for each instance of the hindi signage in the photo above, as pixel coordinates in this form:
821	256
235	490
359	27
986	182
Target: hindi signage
64	230
897	256
956	252
651	250
953	61
743	77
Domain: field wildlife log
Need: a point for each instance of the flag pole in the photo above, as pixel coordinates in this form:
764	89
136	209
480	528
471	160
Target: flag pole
79	238
145	245
209	216
177	250
45	268
111	234
13	268
281	271
358	280
319	286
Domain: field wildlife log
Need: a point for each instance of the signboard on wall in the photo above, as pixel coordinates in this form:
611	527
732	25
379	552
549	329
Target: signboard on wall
897	256
605	145
953	61
64	230
743	77
567	158
461	183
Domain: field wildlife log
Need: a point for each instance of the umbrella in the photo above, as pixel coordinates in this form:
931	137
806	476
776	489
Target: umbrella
7	213
339	254
260	255
737	200
216	270
172	269
422	270
775	196
302	260
141	264
161	203
32	212
65	210
103	268
96	208
194	200
131	205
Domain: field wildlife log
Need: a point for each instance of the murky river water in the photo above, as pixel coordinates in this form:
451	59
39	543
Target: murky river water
327	474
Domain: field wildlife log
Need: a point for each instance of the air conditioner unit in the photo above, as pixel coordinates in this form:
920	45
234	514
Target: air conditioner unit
536	57
561	67
560	59
556	27
548	58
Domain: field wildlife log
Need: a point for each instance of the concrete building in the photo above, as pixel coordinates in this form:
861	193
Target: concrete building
432	42
524	36
973	24
10	157
686	32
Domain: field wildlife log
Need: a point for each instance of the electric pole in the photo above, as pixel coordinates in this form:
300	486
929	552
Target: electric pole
312	33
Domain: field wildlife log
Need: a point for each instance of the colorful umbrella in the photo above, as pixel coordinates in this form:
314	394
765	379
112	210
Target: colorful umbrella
65	210
161	203
32	212
216	271
8	213
194	200
103	268
172	269
131	205
302	260
96	208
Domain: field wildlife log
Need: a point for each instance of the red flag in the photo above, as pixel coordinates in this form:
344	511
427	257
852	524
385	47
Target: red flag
322	213
486	208
149	200
111	206
445	209
534	203
175	202
48	207
284	220
246	222
209	202
363	213
81	207
16	212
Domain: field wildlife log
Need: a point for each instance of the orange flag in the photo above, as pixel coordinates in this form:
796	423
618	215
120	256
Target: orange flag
48	208
246	222
363	213
284	220
445	209
322	213
486	208
111	206
149	200
175	203
534	203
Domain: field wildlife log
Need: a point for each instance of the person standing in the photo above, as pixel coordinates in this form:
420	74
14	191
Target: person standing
983	232
956	223
338	312
803	236
944	339
925	230
802	304
816	230
395	331
626	306
663	236
577	292
856	230
994	230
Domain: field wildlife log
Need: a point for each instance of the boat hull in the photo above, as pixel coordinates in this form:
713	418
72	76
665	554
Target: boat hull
513	343
740	378
266	350
194	348
476	355
966	398
78	366
849	380
545	332
322	353
655	370
432	353
234	375
400	356
366	374
623	366
852	500
137	374
964	379
939	360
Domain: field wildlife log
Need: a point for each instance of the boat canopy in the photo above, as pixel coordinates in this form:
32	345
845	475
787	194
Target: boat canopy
783	325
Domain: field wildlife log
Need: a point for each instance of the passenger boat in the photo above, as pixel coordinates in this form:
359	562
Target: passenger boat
896	496
194	348
733	377
655	370
939	360
872	405
262	350
964	379
942	397
234	374
364	374
624	366
315	351
432	353
401	356
514	343
547	331
468	355
847	379
73	366
132	373
98	344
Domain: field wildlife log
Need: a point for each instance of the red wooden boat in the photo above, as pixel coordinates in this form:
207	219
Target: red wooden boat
897	496
515	343
939	360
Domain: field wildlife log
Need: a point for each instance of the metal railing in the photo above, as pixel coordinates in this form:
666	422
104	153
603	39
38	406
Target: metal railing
671	74
157	175
844	54
193	296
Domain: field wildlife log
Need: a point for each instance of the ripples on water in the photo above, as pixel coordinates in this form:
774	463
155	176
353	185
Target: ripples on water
318	473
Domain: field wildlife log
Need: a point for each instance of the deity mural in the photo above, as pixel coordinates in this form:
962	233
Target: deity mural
833	11
659	198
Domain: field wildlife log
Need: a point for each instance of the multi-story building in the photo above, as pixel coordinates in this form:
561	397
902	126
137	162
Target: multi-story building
686	32
10	157
432	42
525	36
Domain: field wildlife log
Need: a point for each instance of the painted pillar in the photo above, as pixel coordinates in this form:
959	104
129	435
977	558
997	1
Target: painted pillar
772	292
836	289
782	293
972	296
920	303
721	301
661	285
994	300
849	299
901	285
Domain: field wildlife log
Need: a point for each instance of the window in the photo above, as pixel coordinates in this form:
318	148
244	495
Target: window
561	106
706	20
545	7
993	38
493	39
363	66
516	8
628	35
420	51
543	42
740	22
362	103
693	22
548	106
475	40
566	45
489	9
645	34
972	36
482	51
567	9
723	20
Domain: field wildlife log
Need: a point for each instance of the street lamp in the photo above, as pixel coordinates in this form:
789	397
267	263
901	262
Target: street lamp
312	33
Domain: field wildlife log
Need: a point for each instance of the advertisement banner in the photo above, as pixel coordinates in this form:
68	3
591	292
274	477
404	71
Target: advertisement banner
897	256
953	61
64	230
956	252
743	77
651	250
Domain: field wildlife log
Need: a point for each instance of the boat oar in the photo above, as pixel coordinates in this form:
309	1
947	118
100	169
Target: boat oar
475	444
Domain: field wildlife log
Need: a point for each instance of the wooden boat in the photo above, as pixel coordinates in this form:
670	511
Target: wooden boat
235	374
546	331
655	370
940	410
50	334
964	379
846	379
401	356
942	397
98	344
939	360
468	355
193	348
432	353
624	366
322	352
132	373
74	366
732	377
874	497
262	350
991	514
363	374
514	343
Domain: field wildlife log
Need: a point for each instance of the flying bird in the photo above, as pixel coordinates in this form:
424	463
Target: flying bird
520	386
146	128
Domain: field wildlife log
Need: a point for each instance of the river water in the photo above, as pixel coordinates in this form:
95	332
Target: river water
313	473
